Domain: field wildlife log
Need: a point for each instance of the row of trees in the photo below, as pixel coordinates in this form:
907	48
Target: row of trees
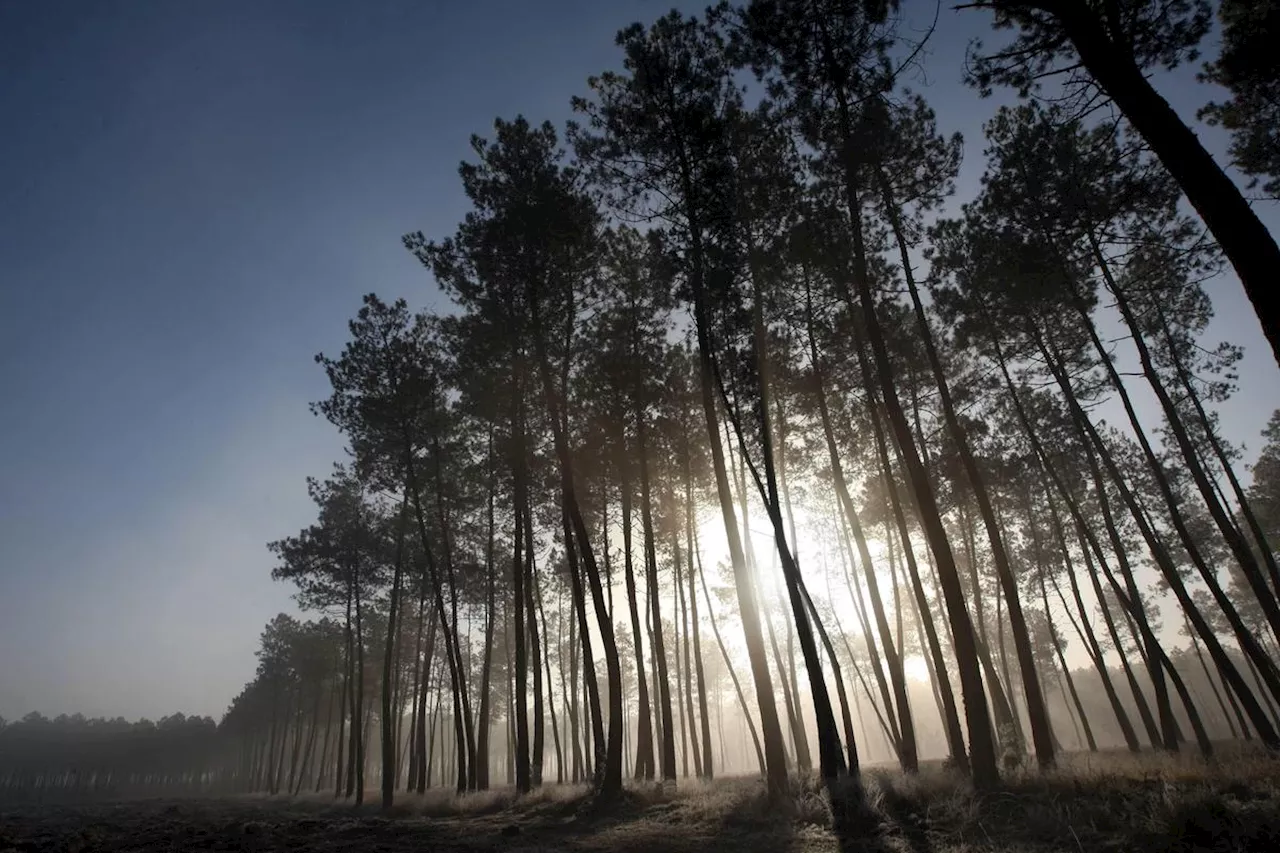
716	299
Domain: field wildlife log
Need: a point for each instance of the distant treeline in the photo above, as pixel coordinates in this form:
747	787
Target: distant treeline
75	755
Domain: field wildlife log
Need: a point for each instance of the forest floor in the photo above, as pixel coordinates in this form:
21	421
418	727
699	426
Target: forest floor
1094	804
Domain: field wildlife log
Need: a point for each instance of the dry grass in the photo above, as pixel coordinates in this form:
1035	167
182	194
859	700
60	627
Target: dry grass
1094	803
1090	804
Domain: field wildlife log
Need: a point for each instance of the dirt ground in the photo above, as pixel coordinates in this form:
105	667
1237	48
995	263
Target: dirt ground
252	824
1230	808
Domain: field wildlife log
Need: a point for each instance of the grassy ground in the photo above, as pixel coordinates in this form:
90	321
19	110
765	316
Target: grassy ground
1092	804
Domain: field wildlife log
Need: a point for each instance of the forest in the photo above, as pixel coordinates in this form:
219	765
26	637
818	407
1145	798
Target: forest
739	450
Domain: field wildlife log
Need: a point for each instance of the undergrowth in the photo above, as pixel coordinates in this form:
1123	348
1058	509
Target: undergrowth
1093	803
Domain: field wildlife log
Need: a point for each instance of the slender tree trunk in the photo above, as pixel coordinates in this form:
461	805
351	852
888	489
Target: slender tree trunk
518	571
1248	643
1247	243
771	728
1038	715
981	740
1240	549
733	675
449	627
1266	731
644	763
388	654
347	667
584	637
1242	501
903	727
427	660
486	666
359	720
1047	470
610	782
707	768
324	746
683	674
574	735
1217	694
546	657
535	651
888	725
884	708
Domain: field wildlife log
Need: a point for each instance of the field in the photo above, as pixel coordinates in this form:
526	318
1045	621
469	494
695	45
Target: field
1113	803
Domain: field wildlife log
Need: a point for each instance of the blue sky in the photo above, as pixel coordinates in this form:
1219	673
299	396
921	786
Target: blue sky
193	197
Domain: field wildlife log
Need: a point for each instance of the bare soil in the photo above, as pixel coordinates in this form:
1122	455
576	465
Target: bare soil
1232	807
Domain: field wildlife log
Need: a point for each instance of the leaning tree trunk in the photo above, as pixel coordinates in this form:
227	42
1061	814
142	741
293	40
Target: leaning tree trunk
644	728
983	765
1244	239
1266	731
449	629
1240	549
771	728
611	779
677	564
888	721
393	608
1037	714
1047	470
535	760
733	674
592	709
1248	643
693	608
1242	501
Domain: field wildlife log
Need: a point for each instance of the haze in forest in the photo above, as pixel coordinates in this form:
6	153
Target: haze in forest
193	198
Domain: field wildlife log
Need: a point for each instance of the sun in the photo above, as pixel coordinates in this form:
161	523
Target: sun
815	549
916	668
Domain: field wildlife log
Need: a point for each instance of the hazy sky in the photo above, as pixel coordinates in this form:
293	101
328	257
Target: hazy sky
193	197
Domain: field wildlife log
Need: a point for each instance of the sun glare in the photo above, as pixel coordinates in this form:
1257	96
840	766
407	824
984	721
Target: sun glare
916	668
819	555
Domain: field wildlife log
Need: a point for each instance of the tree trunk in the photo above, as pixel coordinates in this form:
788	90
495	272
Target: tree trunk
707	768
1242	501
521	721
486	665
733	675
981	741
1247	243
688	663
388	724
546	657
535	651
644	763
1266	731
427	660
1246	639
348	665
1037	714
1240	549
771	728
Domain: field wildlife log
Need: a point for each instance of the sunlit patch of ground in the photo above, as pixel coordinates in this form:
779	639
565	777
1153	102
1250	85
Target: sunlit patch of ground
1092	804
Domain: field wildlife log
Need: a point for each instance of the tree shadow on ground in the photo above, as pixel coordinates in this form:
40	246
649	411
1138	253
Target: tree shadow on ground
875	819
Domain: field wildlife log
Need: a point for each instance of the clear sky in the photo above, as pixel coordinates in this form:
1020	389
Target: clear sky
193	197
